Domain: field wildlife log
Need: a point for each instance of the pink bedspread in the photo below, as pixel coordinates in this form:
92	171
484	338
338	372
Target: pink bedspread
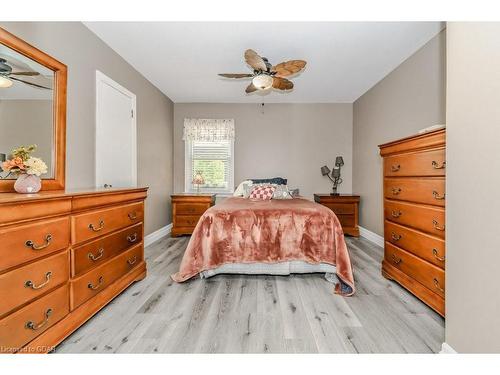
239	230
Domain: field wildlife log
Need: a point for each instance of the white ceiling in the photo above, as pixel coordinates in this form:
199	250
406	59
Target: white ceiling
345	59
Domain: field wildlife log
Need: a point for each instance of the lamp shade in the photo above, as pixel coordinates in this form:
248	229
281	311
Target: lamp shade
262	81
325	170
339	161
5	82
198	179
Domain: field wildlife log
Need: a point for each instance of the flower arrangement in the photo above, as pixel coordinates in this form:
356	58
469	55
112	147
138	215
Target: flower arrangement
22	162
27	168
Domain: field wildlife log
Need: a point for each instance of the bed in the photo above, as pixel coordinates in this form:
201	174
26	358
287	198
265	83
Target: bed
281	237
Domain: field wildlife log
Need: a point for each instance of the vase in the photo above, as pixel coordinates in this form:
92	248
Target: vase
27	183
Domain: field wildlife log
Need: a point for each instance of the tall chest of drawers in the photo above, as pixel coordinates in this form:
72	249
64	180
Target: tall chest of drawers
64	256
414	215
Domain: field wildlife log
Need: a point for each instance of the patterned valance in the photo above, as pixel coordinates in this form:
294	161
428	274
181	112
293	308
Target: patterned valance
208	130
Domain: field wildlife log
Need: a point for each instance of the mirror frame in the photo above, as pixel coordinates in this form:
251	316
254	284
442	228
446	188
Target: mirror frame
57	182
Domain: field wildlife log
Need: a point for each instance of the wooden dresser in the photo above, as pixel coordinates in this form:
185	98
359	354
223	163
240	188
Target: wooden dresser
414	213
187	209
64	256
346	207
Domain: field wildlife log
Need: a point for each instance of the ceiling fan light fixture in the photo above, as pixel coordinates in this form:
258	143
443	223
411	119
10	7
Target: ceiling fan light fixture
5	82
262	81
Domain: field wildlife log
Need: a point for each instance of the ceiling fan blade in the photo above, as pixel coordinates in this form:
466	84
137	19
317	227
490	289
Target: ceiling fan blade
254	60
25	73
282	84
236	75
29	83
287	68
250	88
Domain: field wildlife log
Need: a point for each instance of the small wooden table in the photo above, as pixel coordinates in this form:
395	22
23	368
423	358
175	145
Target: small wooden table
187	209
346	207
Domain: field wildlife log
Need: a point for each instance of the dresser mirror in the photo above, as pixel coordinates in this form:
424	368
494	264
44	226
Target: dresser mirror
32	108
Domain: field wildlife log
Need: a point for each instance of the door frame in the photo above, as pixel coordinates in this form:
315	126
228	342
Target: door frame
101	78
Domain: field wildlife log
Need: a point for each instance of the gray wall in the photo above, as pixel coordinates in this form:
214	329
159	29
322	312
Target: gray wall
288	140
410	98
25	122
84	53
473	178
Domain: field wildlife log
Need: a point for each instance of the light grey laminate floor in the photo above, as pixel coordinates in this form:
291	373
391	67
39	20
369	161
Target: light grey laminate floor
259	314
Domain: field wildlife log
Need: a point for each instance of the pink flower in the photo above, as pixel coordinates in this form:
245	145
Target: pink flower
13	163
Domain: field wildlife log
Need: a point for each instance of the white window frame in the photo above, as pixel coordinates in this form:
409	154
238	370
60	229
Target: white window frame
188	186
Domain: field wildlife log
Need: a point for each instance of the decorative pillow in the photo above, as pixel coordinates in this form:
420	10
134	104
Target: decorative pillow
282	192
274	180
262	193
294	192
240	190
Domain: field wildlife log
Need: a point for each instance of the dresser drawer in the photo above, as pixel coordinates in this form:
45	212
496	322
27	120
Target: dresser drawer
425	218
90	284
25	243
341	208
97	252
191	208
427	247
93	224
186	221
422	163
419	190
19	328
347	220
26	283
425	273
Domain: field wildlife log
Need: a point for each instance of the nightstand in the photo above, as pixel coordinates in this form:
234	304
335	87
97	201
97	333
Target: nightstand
187	209
345	206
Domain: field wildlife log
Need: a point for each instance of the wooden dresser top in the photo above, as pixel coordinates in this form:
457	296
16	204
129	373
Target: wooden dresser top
9	198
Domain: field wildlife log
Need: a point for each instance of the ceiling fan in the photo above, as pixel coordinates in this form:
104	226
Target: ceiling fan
6	76
265	75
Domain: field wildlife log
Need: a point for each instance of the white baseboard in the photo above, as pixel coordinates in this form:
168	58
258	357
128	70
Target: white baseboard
447	349
157	235
370	236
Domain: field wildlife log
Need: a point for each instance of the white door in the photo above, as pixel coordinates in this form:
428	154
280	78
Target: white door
116	138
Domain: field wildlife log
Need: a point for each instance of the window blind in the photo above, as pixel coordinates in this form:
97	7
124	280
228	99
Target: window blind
214	161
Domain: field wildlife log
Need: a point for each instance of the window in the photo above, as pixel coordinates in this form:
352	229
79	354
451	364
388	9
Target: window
210	154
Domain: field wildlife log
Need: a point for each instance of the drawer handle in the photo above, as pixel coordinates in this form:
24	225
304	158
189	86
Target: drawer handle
435	253
396	260
436	284
31	244
99	228
396	213
396	237
436	226
31	284
95	287
93	257
396	191
132	215
437	196
132	238
191	222
436	165
36	326
132	261
395	167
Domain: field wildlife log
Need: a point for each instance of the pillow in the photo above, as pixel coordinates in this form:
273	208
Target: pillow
262	193
240	190
294	192
274	180
282	192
